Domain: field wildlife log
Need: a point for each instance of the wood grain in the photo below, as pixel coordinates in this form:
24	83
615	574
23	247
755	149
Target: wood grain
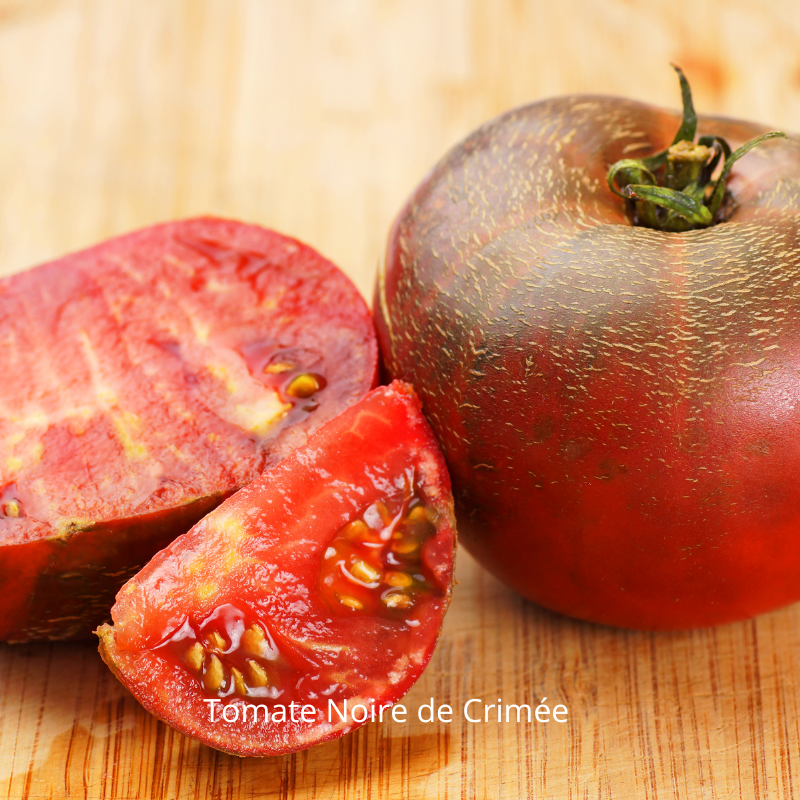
317	119
706	714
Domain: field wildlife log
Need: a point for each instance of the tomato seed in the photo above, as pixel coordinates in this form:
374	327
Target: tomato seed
365	572
214	674
394	599
351	602
194	656
304	385
417	514
12	509
256	674
278	368
357	529
402	579
216	641
386	517
253	641
405	547
238	682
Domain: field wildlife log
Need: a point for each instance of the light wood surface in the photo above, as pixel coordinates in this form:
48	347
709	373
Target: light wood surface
317	119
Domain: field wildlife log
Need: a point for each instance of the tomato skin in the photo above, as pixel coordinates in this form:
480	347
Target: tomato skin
139	397
618	406
264	552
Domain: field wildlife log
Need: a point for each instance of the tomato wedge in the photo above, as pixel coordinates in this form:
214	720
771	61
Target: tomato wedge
312	596
148	378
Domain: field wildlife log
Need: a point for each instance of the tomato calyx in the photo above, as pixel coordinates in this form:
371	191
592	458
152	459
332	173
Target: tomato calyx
676	189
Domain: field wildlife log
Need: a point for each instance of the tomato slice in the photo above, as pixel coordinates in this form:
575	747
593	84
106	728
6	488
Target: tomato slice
149	378
320	586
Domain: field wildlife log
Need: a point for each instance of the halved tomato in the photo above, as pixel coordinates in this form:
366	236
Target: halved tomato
147	379
307	601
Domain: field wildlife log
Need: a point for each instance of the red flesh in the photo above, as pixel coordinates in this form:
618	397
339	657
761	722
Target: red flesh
272	556
147	379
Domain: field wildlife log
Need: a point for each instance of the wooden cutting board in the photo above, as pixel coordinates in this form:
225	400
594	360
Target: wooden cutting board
708	714
317	118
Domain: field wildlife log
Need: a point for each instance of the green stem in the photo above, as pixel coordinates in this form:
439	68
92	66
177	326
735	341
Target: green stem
719	189
673	190
688	128
679	203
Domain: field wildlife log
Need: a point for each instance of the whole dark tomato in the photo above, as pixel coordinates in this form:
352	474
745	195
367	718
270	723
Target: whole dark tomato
605	332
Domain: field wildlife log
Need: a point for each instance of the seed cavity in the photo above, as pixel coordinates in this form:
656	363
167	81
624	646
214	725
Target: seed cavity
374	565
226	654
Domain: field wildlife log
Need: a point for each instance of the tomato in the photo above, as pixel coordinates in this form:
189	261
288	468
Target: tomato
320	586
618	405
146	379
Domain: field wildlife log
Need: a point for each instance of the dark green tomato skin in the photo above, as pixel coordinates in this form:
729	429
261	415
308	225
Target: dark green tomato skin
619	407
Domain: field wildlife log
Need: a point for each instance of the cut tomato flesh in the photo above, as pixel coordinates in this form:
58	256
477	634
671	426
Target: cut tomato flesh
151	377
322	586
